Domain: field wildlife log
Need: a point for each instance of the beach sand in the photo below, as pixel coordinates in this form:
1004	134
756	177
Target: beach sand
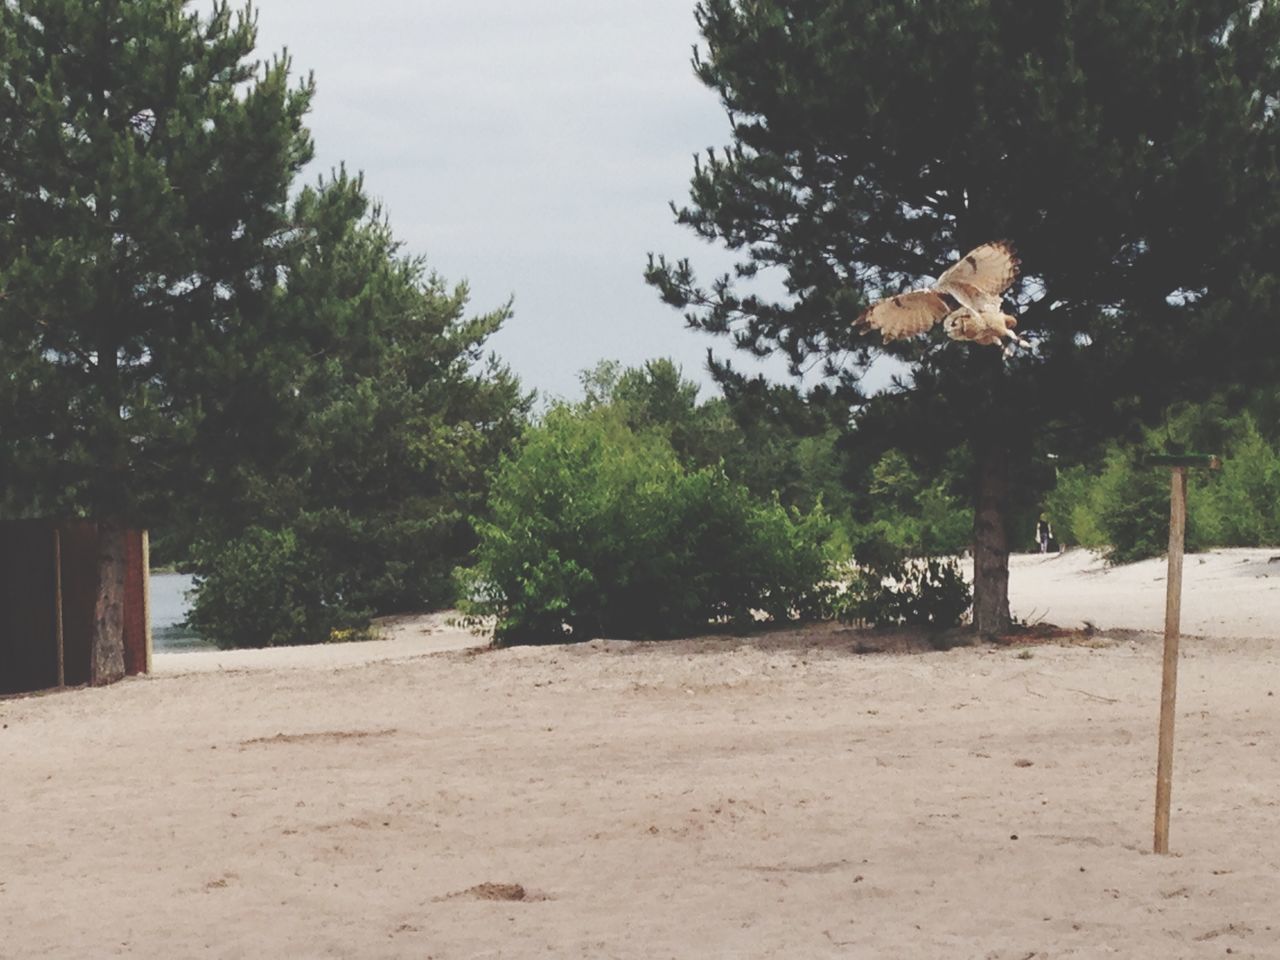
791	795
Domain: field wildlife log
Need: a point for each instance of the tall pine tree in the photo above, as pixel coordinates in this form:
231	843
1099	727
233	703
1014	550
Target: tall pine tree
145	166
351	494
1128	149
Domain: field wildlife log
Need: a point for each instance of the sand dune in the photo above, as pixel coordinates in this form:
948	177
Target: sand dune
1226	593
783	796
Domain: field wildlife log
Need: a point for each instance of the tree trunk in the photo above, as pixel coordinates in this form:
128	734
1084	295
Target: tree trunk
106	659
991	543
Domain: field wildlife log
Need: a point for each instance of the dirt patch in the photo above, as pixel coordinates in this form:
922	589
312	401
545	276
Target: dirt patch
840	640
320	736
509	892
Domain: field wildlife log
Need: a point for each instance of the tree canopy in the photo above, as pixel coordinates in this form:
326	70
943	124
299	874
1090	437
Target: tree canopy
380	447
190	341
145	166
1128	149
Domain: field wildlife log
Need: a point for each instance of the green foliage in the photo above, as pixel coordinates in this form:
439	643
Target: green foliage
145	167
1118	144
790	446
1134	510
656	397
909	517
383	445
1240	507
927	593
1123	507
1071	509
598	529
267	589
270	382
1127	148
776	444
766	438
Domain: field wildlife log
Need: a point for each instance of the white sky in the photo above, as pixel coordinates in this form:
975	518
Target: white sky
530	149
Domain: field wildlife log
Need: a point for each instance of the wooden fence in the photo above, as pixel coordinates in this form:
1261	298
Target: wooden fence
48	599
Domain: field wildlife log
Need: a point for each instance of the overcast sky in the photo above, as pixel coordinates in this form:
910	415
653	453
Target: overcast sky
530	149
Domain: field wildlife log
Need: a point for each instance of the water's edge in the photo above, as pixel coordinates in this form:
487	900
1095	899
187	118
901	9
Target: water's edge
169	607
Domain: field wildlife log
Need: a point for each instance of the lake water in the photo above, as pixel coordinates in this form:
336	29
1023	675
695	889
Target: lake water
169	607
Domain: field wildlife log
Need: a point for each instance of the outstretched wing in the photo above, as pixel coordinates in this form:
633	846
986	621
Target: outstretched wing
979	278
905	315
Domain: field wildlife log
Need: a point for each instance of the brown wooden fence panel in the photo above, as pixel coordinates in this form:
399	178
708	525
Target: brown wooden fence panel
28	587
135	604
79	596
28	648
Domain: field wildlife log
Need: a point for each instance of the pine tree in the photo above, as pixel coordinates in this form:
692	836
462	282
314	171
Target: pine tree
145	166
354	496
1128	149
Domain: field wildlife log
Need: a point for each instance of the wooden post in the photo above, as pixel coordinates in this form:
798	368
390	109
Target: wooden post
1172	630
57	607
146	593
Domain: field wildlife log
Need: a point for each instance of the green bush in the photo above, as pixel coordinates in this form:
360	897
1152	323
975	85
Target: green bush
265	589
1133	510
928	593
598	530
1123	506
1072	511
1127	510
909	517
1240	507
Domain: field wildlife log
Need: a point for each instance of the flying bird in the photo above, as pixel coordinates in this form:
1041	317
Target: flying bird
967	299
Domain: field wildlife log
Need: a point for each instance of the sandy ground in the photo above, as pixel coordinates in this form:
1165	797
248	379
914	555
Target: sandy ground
401	638
784	796
1226	593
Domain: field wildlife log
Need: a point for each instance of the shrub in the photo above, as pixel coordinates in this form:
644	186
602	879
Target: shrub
1072	512
1131	504
909	517
324	576
927	593
598	530
266	589
1124	507
1133	509
1240	507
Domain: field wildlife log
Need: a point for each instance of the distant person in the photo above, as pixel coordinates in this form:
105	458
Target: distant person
1044	533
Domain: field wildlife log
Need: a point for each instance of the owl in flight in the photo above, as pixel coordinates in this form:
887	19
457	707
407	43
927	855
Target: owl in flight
966	298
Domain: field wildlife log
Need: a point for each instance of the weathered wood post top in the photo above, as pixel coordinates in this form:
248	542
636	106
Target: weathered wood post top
1210	461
